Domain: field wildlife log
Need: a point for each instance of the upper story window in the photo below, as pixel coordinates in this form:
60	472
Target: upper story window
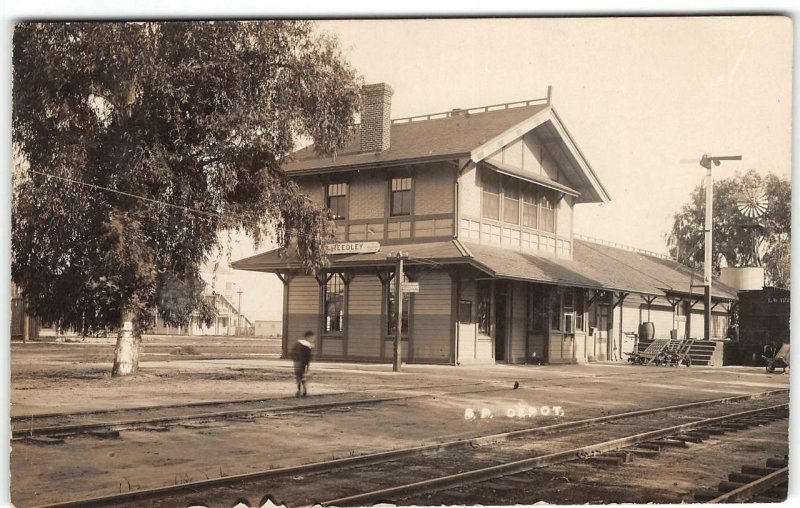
548	214
491	196
530	207
518	203
400	203
511	202
337	200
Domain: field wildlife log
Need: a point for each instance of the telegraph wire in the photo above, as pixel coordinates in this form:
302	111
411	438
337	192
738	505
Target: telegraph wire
231	219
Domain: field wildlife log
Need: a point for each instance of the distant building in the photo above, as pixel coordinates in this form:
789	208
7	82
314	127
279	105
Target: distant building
269	328
225	322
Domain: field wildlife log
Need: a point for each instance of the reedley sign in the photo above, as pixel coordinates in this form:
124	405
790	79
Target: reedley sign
354	248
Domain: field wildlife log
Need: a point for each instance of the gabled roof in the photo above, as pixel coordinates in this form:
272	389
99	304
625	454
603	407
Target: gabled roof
416	141
464	134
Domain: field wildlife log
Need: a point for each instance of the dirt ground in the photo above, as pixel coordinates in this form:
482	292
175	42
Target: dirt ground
59	377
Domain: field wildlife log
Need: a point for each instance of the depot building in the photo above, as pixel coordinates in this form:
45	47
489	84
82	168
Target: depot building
481	200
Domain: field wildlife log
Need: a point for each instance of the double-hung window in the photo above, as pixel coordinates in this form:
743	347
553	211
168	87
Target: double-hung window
530	207
400	203
511	202
337	200
548	219
491	196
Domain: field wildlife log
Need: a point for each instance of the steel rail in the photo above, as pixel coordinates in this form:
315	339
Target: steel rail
556	382
218	402
20	433
523	465
378	457
752	489
65	430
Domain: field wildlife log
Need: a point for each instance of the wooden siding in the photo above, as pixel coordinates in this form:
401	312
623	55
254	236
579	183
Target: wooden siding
364	316
550	168
470	192
431	319
525	153
564	217
312	187
368	193
303	309
332	347
519	321
434	189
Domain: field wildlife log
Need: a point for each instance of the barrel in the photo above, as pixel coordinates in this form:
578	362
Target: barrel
647	331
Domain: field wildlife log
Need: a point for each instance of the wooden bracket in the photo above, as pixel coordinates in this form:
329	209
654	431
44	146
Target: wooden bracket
619	302
285	277
384	277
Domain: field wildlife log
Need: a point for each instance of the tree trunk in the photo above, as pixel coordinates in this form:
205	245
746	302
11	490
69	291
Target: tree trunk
126	354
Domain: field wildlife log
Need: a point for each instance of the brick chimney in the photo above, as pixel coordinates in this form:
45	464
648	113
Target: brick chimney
376	121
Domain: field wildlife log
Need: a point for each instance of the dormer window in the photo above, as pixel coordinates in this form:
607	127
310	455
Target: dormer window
400	203
337	200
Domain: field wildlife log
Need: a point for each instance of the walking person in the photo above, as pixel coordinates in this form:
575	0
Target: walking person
301	354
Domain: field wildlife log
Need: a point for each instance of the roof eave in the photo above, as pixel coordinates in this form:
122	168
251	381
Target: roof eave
374	164
594	181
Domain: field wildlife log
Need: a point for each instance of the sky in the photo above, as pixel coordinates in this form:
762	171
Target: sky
638	95
642	97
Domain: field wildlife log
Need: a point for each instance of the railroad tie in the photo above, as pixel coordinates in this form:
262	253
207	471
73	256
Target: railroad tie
608	460
759	471
776	463
743	477
645	452
686	438
670	442
625	455
704	495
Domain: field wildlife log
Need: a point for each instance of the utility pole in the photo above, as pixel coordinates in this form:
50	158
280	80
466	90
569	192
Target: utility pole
239	318
398	294
706	161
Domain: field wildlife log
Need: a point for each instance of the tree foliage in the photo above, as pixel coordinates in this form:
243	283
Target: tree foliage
189	122
738	240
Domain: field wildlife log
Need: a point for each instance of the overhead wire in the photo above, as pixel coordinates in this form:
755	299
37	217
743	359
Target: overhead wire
233	220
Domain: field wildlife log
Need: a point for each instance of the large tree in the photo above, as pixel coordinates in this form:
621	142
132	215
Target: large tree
140	142
739	240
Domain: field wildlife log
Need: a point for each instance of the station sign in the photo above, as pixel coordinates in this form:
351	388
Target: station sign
354	248
409	287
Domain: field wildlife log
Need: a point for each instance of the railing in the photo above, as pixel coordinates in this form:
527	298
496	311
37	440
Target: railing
624	247
480	109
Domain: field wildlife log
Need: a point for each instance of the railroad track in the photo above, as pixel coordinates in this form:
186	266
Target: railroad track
487	457
767	484
38	428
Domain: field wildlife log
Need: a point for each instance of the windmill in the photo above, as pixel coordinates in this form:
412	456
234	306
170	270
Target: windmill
752	203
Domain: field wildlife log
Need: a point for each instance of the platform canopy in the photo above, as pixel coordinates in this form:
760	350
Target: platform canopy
594	266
